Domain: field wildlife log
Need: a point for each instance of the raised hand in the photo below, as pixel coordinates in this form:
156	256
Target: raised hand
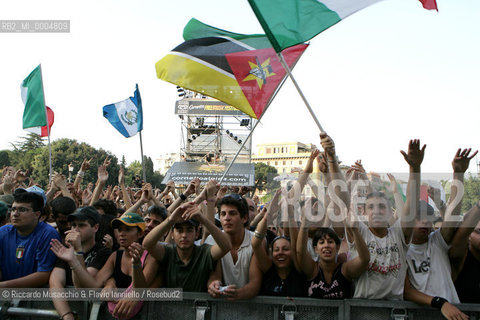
121	176
85	164
73	239
211	190
328	145
196	182
309	166
221	192
136	251
8	183
87	196
59	181
415	155
322	164
393	183
178	214
193	212
21	176
62	252
107	161
102	173
190	189
462	159
107	241
274	204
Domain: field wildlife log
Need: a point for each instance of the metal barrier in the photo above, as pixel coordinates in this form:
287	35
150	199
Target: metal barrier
200	306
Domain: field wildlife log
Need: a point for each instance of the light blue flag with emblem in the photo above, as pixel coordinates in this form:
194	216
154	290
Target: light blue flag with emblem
126	116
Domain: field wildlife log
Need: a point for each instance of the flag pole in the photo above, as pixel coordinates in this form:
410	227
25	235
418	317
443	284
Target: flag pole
240	149
289	72
48	131
141	152
253	129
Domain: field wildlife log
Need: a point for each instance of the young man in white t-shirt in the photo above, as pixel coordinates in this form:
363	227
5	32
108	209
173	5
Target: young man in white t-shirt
385	276
429	278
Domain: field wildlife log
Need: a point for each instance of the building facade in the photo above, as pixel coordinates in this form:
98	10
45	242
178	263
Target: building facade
283	156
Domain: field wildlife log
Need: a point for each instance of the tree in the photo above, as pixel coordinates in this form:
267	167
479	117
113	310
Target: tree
264	175
472	192
30	142
66	151
4	158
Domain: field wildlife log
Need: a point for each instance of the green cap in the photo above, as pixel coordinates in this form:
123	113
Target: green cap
129	219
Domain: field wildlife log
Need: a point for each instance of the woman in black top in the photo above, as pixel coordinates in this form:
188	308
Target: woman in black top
281	275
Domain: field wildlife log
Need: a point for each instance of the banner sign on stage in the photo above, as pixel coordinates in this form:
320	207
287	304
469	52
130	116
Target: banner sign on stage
205	107
240	174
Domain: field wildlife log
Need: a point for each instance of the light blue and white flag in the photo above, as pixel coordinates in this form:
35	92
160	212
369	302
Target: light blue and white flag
126	116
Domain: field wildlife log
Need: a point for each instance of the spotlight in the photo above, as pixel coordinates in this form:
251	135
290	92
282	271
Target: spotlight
231	135
189	140
239	141
235	138
244	122
194	137
228	131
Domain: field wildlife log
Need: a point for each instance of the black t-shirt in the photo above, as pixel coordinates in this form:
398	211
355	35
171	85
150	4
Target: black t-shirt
95	258
295	285
468	281
339	287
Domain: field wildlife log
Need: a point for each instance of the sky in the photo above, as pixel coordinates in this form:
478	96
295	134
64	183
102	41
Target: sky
389	73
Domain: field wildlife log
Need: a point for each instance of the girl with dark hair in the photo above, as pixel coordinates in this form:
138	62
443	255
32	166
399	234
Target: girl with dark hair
327	278
282	276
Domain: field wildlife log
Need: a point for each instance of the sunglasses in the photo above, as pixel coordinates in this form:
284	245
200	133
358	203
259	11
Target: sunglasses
234	196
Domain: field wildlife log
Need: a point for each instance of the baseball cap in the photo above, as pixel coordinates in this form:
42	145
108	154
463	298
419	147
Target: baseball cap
85	213
191	222
129	219
37	190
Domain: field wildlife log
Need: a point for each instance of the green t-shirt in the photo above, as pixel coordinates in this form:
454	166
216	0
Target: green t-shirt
192	277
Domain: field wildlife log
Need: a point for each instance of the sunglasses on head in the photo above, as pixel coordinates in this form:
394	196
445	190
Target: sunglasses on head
234	196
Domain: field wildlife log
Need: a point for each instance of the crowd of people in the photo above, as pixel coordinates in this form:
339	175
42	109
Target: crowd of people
216	239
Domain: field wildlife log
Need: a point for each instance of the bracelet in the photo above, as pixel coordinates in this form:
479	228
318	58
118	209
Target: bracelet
78	253
331	161
437	302
61	318
183	197
259	235
81	174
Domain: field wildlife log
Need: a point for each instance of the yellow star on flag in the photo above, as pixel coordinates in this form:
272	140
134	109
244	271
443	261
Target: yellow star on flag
259	73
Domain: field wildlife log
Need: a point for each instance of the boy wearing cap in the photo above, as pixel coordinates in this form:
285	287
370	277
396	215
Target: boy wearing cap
187	266
25	258
128	266
81	237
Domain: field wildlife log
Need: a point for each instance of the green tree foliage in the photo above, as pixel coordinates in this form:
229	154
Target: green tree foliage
30	142
4	158
66	151
264	175
135	168
472	192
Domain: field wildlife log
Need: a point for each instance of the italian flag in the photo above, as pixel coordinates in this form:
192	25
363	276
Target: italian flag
291	22
35	112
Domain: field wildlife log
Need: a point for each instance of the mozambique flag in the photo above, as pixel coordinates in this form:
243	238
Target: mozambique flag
241	70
